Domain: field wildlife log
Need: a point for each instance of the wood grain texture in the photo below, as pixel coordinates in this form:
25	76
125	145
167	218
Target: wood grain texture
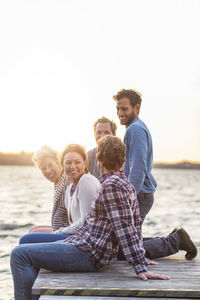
103	298
119	280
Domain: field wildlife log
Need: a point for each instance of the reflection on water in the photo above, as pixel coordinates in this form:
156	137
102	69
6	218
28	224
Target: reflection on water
26	200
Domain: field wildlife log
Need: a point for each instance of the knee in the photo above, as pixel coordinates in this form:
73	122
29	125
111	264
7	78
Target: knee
25	239
15	254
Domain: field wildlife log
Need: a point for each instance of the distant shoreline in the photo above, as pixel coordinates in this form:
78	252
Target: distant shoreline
19	159
24	159
178	165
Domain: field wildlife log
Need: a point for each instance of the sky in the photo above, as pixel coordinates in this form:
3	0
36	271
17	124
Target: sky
62	61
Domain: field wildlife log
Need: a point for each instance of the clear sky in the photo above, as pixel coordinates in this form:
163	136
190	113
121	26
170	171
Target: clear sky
62	61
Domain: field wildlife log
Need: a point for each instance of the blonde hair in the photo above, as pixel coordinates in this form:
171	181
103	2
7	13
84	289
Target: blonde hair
44	152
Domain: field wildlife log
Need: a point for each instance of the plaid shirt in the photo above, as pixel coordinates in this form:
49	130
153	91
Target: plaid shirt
114	220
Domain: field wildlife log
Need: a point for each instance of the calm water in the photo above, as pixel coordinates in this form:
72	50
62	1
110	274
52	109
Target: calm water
26	200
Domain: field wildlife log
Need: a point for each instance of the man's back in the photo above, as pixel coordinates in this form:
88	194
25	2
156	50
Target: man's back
113	220
139	157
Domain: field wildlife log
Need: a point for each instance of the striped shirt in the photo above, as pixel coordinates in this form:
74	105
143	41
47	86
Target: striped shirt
114	221
59	217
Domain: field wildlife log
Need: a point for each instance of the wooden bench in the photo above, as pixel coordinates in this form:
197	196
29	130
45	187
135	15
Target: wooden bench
118	281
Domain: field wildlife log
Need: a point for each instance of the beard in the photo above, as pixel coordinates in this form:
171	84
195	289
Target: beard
128	119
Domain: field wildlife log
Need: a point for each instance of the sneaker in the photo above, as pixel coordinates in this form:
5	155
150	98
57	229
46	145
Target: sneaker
186	244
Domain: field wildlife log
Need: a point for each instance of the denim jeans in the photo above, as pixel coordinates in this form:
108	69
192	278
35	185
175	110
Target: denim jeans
41	237
145	202
157	247
27	259
161	246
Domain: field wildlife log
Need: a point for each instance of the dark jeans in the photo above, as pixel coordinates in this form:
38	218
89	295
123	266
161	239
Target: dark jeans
161	247
145	202
158	247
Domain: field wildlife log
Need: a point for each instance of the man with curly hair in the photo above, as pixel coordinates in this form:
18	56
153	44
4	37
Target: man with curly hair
139	150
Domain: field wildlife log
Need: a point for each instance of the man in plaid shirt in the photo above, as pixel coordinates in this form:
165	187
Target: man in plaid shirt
113	222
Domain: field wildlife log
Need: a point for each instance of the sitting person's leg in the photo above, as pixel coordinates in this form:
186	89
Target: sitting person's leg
158	247
161	246
41	237
165	246
177	240
41	228
27	259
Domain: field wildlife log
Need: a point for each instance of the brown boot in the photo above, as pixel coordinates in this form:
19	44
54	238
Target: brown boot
173	231
187	244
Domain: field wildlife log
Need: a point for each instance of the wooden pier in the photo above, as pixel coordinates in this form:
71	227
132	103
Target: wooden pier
118	281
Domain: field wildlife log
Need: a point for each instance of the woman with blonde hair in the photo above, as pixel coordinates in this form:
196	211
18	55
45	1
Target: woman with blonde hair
82	189
47	160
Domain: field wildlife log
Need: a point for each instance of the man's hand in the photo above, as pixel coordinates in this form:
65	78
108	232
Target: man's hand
153	262
148	275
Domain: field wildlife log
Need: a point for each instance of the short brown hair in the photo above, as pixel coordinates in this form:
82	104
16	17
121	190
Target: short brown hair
74	148
113	125
111	152
132	95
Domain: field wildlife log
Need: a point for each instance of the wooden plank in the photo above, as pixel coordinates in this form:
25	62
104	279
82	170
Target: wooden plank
102	298
119	280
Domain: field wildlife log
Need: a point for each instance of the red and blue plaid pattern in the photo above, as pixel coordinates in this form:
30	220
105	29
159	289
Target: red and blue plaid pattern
114	221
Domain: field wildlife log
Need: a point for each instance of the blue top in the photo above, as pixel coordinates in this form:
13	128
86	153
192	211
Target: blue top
139	157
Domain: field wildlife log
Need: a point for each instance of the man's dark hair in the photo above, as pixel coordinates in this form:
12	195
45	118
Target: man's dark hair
106	120
132	95
111	152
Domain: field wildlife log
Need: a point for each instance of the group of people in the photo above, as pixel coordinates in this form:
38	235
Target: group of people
100	202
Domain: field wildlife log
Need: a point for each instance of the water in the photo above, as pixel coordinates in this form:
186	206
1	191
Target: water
26	200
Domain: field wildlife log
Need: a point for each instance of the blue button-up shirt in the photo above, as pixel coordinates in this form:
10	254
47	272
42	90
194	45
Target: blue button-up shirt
139	157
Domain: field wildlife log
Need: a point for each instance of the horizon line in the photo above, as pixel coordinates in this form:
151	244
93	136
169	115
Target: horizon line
181	161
